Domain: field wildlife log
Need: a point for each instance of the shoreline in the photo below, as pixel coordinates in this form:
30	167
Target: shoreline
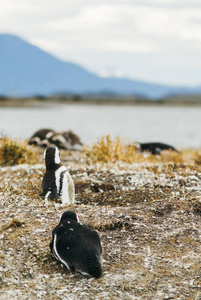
179	101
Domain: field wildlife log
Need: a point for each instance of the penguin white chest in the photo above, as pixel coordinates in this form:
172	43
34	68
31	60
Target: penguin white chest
65	190
62	184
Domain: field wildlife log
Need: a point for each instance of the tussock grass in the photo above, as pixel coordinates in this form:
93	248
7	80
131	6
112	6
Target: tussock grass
197	157
171	156
108	150
15	153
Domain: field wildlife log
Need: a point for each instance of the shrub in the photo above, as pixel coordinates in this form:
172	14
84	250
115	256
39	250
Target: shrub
108	150
14	153
197	157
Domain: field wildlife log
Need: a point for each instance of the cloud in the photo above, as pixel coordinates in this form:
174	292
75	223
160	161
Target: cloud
113	35
132	22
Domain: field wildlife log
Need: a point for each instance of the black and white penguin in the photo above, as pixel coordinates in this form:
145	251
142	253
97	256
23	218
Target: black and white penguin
59	140
73	139
57	182
41	137
66	140
154	148
77	246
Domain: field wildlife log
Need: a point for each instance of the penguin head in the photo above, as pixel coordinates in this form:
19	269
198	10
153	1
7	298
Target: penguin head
69	215
51	156
34	141
60	141
72	139
137	145
44	143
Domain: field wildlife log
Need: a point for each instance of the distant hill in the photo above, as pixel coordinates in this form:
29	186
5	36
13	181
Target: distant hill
26	70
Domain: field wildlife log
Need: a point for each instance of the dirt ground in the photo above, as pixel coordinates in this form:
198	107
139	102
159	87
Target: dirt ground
147	215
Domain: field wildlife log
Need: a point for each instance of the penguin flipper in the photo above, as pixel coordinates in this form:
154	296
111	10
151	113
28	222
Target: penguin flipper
51	246
53	195
50	194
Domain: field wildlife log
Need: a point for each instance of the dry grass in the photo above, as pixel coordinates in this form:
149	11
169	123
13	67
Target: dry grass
15	223
197	157
108	150
15	153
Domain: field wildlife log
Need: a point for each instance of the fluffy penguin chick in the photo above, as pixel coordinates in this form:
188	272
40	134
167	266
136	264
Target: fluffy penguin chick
77	246
57	182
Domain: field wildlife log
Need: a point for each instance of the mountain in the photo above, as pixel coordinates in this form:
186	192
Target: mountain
26	70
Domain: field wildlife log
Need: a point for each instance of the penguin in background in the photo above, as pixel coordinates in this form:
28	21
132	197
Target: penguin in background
41	137
63	140
66	140
57	182
77	246
154	148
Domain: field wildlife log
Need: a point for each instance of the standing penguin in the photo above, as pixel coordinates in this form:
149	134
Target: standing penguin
77	246
57	182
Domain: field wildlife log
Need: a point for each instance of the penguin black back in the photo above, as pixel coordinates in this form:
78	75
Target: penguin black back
57	182
155	148
52	159
77	246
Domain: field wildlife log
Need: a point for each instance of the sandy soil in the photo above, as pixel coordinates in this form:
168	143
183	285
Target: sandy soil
147	215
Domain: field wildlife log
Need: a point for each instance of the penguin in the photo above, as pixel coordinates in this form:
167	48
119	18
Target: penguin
40	137
154	148
73	139
57	182
66	140
77	246
60	141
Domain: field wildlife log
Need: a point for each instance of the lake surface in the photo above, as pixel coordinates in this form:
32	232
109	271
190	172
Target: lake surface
178	126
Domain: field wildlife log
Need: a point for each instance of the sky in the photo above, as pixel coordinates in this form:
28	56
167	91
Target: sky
156	41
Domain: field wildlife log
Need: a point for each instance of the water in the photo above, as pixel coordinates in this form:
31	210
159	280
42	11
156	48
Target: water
178	126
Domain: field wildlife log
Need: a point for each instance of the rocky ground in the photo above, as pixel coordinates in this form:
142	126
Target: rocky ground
148	216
